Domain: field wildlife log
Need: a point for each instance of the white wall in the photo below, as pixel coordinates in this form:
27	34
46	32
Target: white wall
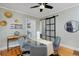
6	31
68	39
20	17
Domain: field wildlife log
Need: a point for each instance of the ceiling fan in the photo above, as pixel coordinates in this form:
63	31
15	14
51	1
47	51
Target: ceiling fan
42	6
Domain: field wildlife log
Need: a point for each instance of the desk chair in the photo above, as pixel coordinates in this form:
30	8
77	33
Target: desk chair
56	44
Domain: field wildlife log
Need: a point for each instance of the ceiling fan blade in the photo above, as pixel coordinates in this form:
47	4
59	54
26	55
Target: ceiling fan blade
35	6
41	10
39	3
48	6
45	3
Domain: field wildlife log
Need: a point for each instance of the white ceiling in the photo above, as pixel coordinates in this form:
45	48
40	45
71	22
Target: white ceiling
25	8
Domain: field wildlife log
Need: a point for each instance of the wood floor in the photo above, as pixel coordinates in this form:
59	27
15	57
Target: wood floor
14	51
67	52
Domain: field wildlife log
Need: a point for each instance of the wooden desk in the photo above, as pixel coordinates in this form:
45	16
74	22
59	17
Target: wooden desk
13	37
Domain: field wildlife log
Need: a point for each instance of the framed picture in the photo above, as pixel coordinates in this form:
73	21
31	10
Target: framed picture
16	26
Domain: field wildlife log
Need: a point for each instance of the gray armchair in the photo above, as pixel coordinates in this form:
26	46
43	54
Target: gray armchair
56	45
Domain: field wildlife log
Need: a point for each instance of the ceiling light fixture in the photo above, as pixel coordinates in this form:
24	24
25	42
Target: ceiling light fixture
42	6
